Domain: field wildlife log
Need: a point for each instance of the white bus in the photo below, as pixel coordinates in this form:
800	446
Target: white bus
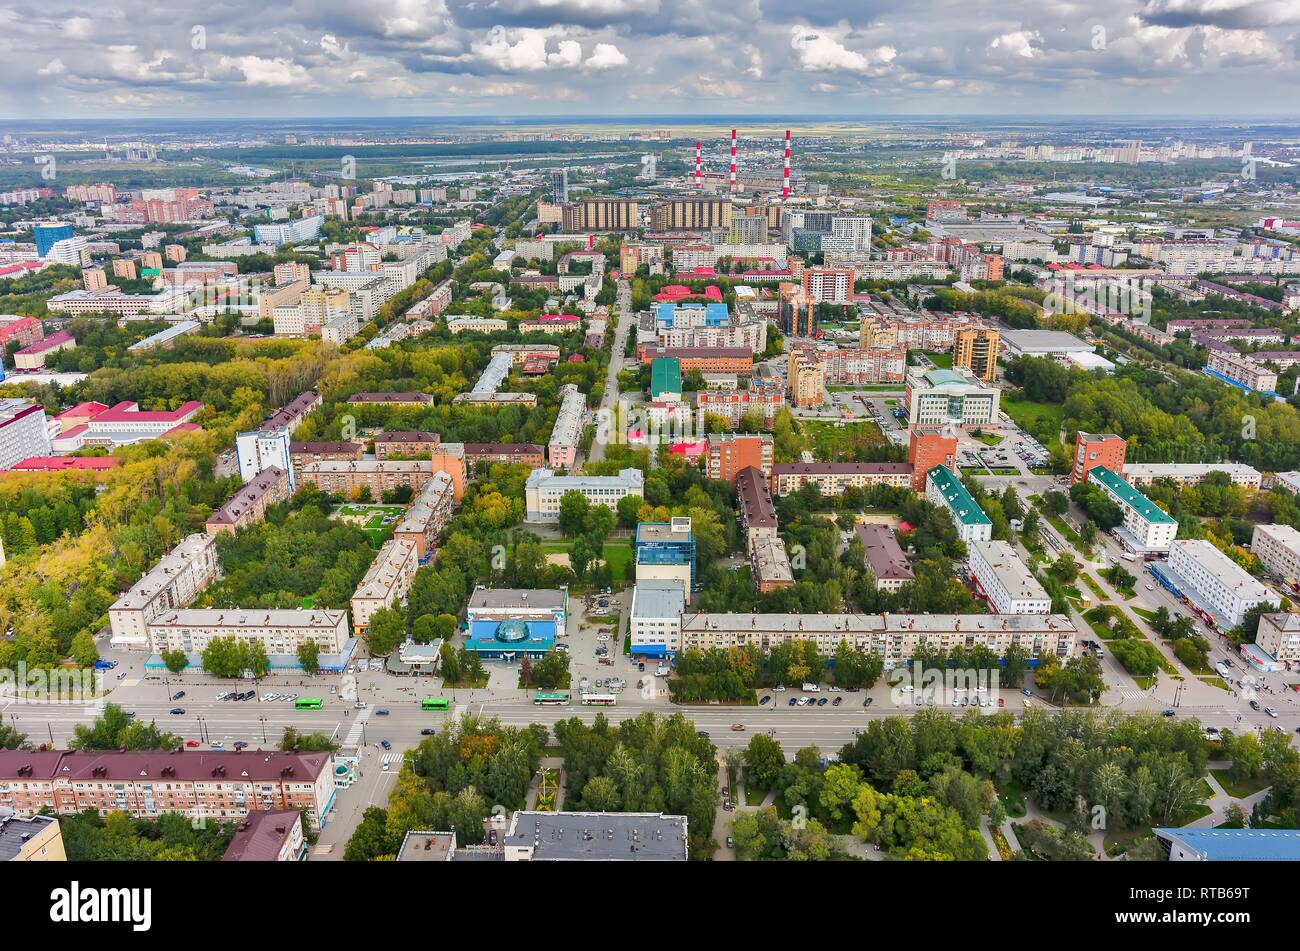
598	699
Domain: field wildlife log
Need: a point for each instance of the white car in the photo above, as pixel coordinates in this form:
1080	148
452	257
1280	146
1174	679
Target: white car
1151	587
602	637
1271	712
835	689
907	688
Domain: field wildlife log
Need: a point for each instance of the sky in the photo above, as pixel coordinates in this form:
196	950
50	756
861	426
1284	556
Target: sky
253	58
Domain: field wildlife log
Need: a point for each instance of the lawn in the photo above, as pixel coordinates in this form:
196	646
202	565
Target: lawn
942	360
987	439
1094	588
616	554
1027	413
1238	788
374	519
830	442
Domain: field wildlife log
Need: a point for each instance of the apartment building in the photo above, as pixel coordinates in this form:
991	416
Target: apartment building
386	583
735	405
601	214
1215	582
944	489
482	454
1279	635
280	631
976	350
769	564
1146	527
832	478
754	502
691	214
895	637
405	444
1278	548
23	431
925	450
390	399
727	454
807	378
145	784
423	523
828	285
272	835
1142	473
544	489
1097	449
738	360
1243	371
665	551
345	478
301	453
34	839
178	578
261	449
481	325
1006	581
566	434
248	505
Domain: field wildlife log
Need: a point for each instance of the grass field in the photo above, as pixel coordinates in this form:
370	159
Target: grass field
1027	413
372	519
616	554
942	360
830	442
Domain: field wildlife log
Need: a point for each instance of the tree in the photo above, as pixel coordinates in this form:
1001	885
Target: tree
176	660
764	760
573	512
386	632
309	656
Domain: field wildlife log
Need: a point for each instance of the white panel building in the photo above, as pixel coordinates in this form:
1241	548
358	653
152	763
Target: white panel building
1009	584
1216	581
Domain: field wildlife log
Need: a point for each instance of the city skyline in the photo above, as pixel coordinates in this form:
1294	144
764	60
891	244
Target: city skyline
527	59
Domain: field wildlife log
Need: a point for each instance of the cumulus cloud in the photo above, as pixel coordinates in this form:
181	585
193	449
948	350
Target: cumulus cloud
605	56
1227	14
821	52
1018	43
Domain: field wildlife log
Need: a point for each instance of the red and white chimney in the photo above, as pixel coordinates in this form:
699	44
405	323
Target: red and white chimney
733	161
785	173
699	164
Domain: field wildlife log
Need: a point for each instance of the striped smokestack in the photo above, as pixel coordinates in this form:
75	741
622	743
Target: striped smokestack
785	173
733	160
699	164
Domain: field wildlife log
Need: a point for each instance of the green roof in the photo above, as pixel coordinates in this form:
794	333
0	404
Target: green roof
1130	496
959	500
665	376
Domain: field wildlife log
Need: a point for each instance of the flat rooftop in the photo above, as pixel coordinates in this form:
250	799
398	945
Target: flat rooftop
658	599
599	836
1010	573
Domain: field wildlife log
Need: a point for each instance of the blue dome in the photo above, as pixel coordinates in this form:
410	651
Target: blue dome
512	631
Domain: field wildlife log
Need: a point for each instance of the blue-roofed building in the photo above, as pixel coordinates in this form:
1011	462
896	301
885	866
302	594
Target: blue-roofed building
665	551
46	235
509	624
1230	845
691	315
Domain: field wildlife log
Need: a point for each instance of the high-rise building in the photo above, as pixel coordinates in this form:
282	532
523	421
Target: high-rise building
601	214
691	214
1097	449
976	350
47	234
807	378
927	450
560	185
731	453
23	432
828	285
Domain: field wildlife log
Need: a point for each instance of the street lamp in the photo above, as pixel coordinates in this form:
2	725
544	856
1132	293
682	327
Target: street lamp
263	720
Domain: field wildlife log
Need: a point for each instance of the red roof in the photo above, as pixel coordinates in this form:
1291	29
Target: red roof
688	448
576	358
53	340
83	409
128	411
63	463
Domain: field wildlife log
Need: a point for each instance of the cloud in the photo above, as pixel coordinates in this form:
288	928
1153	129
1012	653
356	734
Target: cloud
818	52
1019	43
605	56
266	72
1227	14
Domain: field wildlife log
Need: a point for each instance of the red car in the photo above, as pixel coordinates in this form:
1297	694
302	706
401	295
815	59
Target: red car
1001	702
192	743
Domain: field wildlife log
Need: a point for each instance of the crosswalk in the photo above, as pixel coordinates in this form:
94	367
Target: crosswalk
354	734
392	759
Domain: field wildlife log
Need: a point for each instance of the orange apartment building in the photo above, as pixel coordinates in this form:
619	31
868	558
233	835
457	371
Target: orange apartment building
1097	449
519	454
728	454
738	360
927	450
148	783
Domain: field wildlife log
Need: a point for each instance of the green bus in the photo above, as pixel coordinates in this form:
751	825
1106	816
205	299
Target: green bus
434	703
308	703
550	699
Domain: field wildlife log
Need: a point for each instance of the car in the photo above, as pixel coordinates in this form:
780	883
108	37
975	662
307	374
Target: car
956	702
821	701
1254	705
1001	702
178	694
602	637
837	701
428	731
1169	713
920	700
381	712
702	733
178	711
223	695
640	666
216	746
192	743
737	727
240	745
867	701
384	767
1271	712
834	689
907	688
1151	587
385	744
731	843
801	701
1026	691
794	702
762	700
779	688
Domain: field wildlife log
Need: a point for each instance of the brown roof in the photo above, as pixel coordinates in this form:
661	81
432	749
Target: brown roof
755	498
261	835
502	449
390	398
315	448
842	468
884	556
416	436
143	765
248	496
